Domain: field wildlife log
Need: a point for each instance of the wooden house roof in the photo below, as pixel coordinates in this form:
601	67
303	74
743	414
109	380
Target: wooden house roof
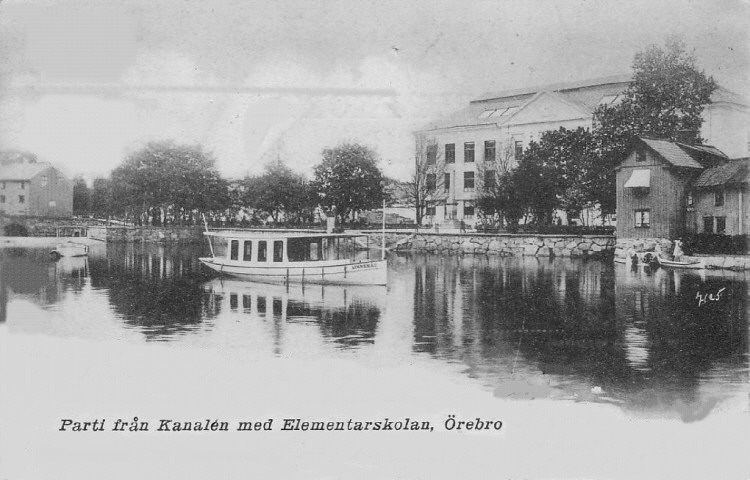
731	173
22	171
683	155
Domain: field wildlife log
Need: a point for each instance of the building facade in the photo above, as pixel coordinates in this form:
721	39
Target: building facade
718	201
492	132
36	189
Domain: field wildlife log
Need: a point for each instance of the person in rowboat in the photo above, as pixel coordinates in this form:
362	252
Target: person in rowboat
677	253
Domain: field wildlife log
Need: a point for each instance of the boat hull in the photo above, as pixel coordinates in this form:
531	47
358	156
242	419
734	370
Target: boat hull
346	273
70	250
689	265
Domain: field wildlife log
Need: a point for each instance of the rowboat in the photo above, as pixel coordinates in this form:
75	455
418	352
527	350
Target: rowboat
282	257
70	249
693	264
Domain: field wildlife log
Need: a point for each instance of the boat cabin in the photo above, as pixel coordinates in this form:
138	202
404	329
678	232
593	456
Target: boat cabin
283	247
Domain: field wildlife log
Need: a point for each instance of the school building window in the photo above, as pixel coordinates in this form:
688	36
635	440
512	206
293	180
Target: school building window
23	185
431	154
431	182
719	198
468	180
43	180
640	156
721	224
708	224
247	253
489	150
447	181
519	149
689	199
468	210
450	153
21	199
643	218
489	178
469	152
430	211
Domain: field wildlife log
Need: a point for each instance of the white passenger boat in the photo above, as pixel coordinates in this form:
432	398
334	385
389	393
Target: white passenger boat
70	249
293	257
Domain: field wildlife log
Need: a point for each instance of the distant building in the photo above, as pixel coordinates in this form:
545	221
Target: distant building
666	189
28	187
494	129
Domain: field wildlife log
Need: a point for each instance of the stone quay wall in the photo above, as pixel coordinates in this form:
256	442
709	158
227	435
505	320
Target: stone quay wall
661	246
499	244
171	234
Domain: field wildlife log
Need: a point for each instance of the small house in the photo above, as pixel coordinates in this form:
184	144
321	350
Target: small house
654	186
36	189
718	201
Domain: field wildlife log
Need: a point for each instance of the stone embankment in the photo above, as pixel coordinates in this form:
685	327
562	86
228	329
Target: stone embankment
660	246
501	244
172	234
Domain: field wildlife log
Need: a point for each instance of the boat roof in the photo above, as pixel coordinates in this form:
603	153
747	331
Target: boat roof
265	234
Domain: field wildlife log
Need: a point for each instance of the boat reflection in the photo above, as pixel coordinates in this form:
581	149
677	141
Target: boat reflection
345	315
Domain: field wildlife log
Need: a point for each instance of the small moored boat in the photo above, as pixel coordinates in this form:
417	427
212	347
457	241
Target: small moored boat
293	257
70	249
693	264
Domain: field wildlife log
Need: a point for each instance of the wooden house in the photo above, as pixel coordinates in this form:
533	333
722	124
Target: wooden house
718	201
653	183
34	188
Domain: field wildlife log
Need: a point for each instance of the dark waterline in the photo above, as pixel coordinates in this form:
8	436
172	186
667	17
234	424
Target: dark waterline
664	341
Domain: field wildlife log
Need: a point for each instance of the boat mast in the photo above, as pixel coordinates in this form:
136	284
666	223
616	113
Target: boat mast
210	245
382	257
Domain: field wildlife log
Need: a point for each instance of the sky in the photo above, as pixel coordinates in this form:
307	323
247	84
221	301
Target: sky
84	83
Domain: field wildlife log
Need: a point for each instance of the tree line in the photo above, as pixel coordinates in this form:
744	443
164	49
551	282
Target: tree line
169	183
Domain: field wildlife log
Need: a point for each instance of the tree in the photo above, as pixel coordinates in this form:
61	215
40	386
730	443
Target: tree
279	190
535	184
427	185
498	201
348	180
164	177
665	100
81	196
101	198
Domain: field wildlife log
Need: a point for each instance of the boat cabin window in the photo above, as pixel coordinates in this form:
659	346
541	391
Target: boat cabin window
247	253
262	250
235	249
278	251
304	249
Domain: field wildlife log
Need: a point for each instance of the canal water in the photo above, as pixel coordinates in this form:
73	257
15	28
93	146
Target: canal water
582	335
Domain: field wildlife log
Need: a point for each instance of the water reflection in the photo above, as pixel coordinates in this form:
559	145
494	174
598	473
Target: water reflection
538	327
347	315
525	327
32	274
154	288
